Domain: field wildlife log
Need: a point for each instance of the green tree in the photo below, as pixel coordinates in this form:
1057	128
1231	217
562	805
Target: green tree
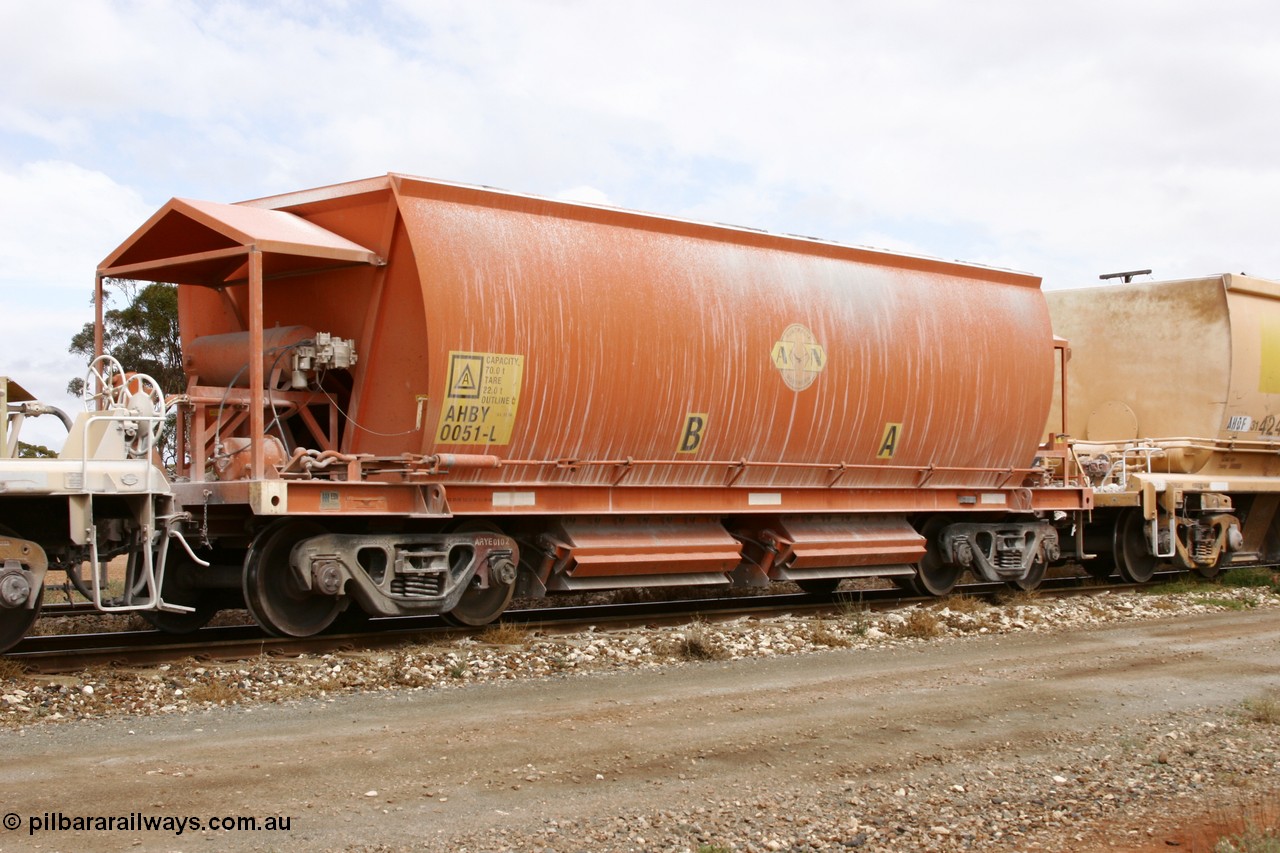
35	451
142	334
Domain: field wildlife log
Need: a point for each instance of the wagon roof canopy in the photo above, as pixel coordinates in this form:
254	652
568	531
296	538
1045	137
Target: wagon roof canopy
203	242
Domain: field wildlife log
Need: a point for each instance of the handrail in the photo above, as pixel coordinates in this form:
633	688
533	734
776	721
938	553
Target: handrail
412	465
85	457
1181	442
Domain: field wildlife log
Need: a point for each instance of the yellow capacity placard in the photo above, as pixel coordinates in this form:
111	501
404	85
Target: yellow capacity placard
482	393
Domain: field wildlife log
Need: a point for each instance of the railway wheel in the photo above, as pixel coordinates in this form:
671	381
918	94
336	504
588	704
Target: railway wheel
933	577
1209	572
1099	540
1101	567
274	598
1035	575
178	589
480	606
1133	560
353	620
15	622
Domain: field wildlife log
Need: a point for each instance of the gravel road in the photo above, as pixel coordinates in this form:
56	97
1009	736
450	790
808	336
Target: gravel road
1118	734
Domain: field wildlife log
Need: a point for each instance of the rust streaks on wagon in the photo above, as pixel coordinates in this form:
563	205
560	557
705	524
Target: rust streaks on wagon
412	396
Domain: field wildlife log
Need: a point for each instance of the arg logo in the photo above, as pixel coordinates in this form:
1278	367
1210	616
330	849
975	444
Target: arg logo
798	357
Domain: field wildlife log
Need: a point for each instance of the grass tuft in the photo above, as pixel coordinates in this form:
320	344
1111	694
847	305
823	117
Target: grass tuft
214	692
1256	577
694	643
1226	603
920	624
963	604
1252	839
504	634
457	669
856	617
1020	598
11	670
1181	586
1263	709
822	634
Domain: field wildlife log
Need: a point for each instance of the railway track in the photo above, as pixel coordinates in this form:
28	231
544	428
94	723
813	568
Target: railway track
57	653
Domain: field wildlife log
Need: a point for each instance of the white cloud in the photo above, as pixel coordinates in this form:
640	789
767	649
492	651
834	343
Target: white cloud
57	221
1063	140
589	195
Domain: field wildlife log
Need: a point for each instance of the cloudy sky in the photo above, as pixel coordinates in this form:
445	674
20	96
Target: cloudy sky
1064	139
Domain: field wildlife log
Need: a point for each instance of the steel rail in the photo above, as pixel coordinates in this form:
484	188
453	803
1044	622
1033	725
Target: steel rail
75	652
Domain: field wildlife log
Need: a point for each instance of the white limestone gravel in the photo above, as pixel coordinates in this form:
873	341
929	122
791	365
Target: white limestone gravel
1134	778
187	685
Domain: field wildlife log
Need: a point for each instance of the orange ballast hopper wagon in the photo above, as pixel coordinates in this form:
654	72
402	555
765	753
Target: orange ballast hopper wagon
563	396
